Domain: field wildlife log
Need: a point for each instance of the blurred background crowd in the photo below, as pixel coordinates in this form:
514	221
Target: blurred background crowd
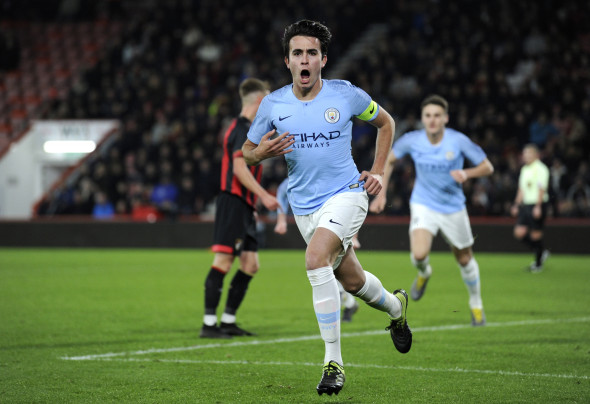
513	73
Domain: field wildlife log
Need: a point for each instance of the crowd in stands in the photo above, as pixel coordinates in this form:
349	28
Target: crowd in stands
513	73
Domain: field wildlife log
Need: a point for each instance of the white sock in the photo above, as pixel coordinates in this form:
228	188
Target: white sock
228	318
326	303
470	275
210	319
423	266
375	295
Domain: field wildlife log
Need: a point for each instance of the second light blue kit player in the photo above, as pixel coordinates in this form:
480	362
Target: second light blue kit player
310	123
438	202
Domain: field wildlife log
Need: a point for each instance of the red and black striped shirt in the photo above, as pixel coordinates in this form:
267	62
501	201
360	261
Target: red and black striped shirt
234	138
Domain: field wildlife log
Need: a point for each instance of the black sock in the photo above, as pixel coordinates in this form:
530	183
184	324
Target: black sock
237	291
213	289
526	240
538	249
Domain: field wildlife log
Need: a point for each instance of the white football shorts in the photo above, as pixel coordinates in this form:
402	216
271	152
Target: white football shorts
455	227
343	214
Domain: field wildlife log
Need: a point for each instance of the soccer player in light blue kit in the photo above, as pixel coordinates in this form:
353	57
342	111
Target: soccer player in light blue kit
310	123
438	202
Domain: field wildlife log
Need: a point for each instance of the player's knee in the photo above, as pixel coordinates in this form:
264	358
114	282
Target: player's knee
419	256
352	284
463	260
463	256
249	262
536	235
251	269
223	262
519	233
315	260
250	265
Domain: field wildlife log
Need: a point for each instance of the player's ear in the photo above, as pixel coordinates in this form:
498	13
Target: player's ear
324	60
287	61
446	118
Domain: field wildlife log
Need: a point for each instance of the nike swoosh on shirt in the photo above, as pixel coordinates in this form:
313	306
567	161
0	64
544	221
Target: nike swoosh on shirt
281	118
331	221
372	109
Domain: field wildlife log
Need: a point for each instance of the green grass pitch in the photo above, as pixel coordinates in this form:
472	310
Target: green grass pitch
121	326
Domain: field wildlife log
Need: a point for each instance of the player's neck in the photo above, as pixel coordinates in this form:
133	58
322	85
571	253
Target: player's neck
436	137
308	94
248	112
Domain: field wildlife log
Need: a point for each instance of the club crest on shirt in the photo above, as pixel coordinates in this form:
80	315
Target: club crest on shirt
332	115
449	155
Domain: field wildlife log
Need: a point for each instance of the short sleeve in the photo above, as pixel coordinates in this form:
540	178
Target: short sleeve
472	151
360	102
262	123
401	146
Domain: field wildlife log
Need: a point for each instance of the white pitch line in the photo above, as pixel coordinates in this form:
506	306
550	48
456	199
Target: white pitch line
411	368
314	337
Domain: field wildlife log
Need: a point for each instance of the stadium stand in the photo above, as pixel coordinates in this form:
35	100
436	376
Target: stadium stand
40	63
514	72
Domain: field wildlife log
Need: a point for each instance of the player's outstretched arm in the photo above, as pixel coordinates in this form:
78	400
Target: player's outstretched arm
255	153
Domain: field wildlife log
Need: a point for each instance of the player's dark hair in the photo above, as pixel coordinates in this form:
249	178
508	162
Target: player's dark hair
436	100
307	28
252	85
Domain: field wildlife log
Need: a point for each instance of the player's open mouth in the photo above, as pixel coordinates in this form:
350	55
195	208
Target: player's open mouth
305	76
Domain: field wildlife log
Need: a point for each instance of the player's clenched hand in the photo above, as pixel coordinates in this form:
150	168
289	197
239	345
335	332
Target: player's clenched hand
281	227
459	175
274	147
270	202
378	204
373	182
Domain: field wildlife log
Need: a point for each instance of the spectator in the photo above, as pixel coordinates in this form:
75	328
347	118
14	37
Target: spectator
187	197
577	200
103	208
164	197
558	185
541	131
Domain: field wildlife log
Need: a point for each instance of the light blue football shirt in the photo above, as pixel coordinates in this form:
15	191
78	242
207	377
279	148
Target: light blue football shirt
434	186
321	163
282	197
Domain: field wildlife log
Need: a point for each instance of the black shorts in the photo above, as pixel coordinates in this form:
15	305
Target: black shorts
235	226
525	217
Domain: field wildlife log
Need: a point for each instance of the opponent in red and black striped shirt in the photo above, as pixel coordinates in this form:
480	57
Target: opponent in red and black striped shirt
235	224
234	138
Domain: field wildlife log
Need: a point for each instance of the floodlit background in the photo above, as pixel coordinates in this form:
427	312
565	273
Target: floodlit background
168	72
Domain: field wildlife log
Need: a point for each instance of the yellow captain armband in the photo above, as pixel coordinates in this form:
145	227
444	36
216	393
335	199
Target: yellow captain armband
370	112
